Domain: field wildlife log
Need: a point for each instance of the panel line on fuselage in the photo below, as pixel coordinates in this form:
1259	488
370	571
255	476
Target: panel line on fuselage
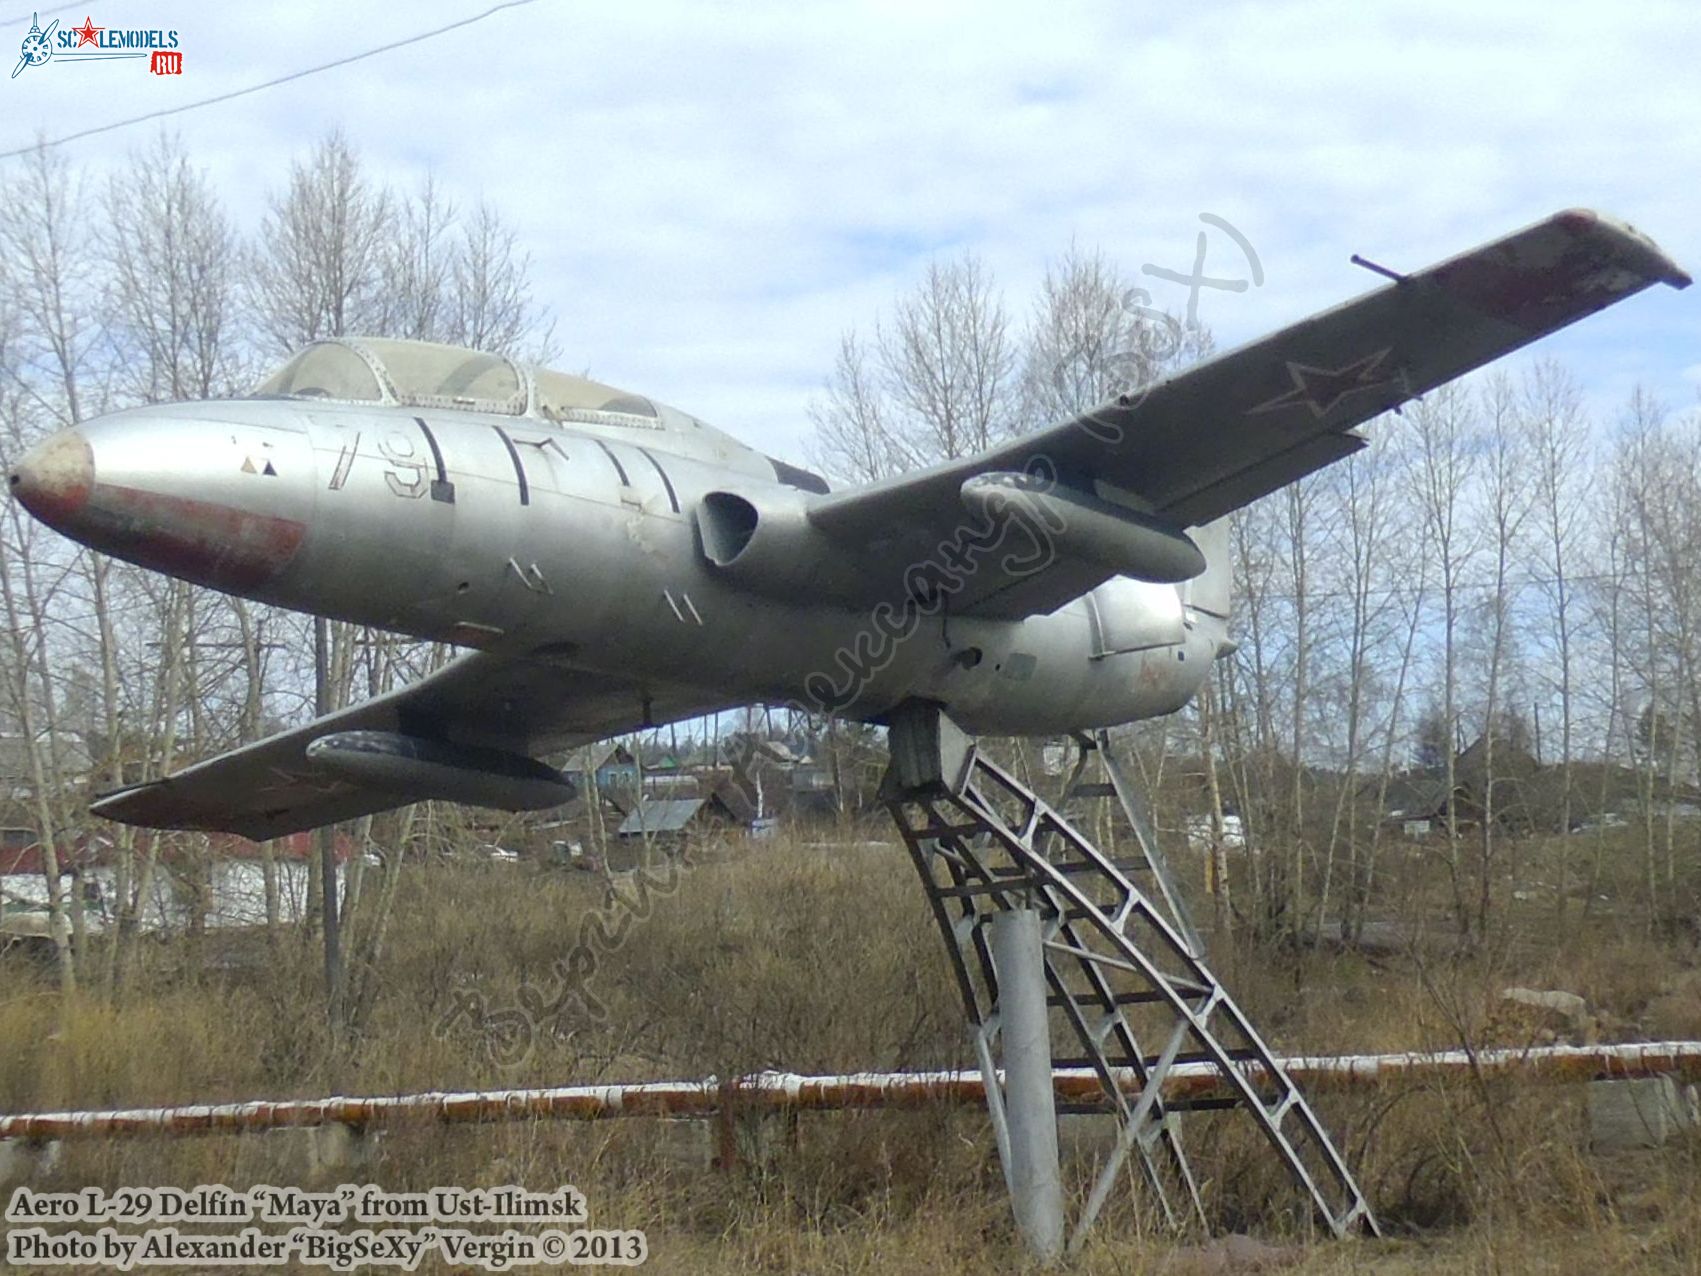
615	460
672	496
441	490
519	466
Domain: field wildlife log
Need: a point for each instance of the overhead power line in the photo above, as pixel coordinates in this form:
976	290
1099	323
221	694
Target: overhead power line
267	84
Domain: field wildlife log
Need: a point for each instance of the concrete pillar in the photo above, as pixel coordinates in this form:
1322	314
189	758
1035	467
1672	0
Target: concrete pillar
1030	1108
320	1153
26	1160
1639	1113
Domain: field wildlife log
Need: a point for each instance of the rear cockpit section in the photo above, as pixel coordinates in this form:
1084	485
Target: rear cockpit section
559	396
423	375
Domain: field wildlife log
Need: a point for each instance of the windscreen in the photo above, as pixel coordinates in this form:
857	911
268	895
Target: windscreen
324	370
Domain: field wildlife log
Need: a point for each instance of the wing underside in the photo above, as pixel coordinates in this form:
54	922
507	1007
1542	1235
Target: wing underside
515	706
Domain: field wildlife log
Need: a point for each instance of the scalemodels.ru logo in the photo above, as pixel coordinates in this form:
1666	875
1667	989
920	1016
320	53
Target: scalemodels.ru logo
89	43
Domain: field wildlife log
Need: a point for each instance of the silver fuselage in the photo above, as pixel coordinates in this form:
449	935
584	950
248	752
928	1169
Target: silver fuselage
515	535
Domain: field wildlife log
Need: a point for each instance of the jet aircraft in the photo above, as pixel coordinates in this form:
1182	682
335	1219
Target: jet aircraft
613	563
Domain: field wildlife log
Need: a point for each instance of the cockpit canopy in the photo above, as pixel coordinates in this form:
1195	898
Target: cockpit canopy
424	374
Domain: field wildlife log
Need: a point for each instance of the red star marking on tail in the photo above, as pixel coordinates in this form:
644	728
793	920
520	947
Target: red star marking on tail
88	33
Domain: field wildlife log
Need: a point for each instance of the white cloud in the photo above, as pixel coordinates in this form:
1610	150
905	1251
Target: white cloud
712	192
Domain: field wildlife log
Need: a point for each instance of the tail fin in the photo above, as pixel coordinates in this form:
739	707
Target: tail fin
1212	590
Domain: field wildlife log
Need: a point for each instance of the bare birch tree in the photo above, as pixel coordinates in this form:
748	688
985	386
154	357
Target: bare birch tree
490	292
48	279
1505	496
1559	455
950	362
319	269
1093	335
938	381
178	328
1360	552
420	264
1444	459
852	438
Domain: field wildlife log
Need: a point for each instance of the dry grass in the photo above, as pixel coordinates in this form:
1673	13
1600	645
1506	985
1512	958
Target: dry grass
775	956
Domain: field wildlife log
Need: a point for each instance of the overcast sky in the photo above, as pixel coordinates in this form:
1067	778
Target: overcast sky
711	193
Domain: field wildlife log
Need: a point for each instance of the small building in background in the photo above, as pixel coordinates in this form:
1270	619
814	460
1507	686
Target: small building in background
672	822
607	766
813	792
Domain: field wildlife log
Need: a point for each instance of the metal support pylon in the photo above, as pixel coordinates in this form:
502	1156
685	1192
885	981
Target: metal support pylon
1118	969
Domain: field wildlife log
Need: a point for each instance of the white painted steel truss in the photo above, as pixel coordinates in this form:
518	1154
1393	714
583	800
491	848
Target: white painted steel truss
1123	967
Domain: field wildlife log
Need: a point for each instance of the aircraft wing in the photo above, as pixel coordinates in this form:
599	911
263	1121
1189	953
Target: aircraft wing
506	705
1218	435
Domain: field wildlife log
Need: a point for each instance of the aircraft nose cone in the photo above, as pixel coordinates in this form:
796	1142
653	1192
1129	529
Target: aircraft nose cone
55	477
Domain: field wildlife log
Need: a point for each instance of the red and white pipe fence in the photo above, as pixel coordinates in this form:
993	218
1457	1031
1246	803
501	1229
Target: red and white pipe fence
778	1091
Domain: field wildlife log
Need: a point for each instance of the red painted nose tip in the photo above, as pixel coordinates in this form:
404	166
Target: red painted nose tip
55	477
